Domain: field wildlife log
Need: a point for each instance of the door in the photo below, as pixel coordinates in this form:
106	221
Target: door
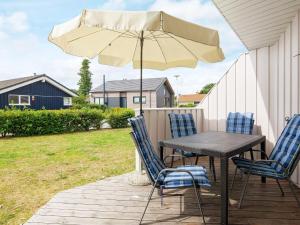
123	102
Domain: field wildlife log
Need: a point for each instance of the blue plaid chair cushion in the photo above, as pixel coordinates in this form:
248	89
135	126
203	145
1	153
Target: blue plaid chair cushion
154	165
182	125
261	169
285	152
241	123
182	179
287	146
151	159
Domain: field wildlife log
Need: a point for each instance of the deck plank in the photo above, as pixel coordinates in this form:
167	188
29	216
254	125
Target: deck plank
114	201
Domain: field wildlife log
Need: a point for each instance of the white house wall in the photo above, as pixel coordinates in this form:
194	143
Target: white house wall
264	81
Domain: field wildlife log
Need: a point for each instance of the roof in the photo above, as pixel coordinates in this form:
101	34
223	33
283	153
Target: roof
191	98
11	84
149	84
258	23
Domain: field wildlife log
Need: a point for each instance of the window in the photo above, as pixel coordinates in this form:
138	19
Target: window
167	102
99	100
18	99
67	101
136	100
25	100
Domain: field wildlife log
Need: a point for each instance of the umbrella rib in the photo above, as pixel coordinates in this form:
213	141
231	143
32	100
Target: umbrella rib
75	39
130	35
184	46
159	47
111	42
160	35
120	32
137	41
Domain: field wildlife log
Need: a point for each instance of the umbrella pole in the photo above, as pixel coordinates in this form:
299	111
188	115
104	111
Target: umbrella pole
141	73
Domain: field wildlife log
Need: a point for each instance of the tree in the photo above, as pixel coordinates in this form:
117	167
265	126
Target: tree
85	82
207	88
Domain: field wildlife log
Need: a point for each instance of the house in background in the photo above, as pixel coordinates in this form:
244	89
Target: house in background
157	93
194	99
35	92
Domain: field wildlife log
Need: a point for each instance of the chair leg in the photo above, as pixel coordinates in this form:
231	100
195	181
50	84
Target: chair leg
294	192
197	193
183	161
161	196
212	167
149	198
233	179
196	162
172	158
242	155
251	154
282	192
244	191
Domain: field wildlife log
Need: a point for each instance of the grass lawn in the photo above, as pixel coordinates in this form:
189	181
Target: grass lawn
33	169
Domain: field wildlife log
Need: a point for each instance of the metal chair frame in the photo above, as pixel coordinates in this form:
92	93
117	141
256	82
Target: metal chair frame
156	184
285	175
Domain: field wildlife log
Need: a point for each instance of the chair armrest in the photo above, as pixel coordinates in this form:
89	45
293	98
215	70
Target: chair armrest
168	170
269	161
256	150
175	155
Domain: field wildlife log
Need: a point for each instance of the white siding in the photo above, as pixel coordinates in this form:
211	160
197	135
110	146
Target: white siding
264	81
258	23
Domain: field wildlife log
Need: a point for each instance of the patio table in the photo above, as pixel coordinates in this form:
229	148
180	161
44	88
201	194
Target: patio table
217	144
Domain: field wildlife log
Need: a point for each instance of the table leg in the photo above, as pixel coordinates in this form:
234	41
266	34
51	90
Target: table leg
224	191
161	152
263	156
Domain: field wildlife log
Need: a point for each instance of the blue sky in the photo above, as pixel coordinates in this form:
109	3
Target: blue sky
24	48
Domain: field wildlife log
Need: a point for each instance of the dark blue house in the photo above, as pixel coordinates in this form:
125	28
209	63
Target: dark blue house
35	92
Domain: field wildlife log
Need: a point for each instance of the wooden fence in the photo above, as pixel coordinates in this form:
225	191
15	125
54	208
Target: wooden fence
158	124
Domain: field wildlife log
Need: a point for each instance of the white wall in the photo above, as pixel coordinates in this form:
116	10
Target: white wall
264	81
150	99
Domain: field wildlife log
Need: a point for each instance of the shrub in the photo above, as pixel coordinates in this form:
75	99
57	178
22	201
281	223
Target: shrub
88	106
189	105
40	122
118	117
82	102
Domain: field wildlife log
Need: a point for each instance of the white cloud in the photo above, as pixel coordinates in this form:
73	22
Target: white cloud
192	10
114	5
22	55
15	22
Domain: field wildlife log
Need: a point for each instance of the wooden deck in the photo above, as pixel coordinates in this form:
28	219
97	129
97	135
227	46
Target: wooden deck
113	201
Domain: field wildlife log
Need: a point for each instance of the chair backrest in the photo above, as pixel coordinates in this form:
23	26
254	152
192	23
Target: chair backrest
287	148
241	123
182	125
152	162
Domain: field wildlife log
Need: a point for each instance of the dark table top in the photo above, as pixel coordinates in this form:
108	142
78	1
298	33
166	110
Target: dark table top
213	143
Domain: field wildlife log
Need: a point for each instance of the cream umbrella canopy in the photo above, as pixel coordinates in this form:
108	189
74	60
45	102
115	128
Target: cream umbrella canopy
152	40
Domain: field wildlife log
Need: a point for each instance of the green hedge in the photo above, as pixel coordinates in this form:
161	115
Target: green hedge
82	102
189	105
118	117
40	122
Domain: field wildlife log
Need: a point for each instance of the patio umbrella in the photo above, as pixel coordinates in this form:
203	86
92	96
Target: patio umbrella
153	40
